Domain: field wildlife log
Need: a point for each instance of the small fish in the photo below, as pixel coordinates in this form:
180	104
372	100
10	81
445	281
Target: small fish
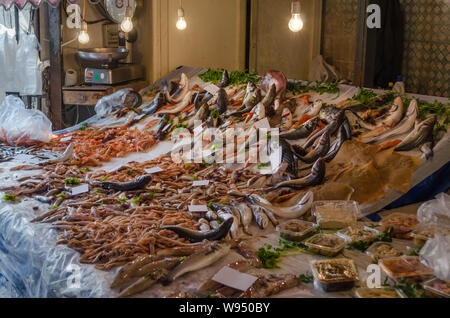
246	215
316	177
292	212
331	128
158	102
180	105
322	148
138	183
225	80
260	217
422	133
222	101
337	144
196	236
130	270
303	131
143	283
280	283
286	120
315	108
200	260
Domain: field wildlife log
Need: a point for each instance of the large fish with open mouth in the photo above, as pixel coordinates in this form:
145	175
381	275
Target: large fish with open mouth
292	212
421	136
184	85
303	131
316	177
200	260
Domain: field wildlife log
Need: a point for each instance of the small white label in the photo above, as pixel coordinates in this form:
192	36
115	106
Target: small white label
212	89
153	170
234	279
200	183
80	189
262	124
198	208
66	139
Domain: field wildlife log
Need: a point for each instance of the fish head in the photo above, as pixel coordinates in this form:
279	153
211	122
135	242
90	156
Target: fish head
413	108
307	199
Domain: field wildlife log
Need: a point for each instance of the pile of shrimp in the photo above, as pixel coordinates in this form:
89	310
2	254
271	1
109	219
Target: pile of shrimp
94	146
111	228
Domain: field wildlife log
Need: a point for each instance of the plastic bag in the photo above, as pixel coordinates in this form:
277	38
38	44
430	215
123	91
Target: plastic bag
436	211
322	71
111	103
20	126
436	255
28	72
8	49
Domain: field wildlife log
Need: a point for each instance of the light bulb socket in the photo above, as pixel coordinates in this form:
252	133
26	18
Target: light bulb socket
129	12
84	26
295	7
181	13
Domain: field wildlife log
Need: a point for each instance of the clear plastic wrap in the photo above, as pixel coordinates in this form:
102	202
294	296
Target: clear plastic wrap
436	211
111	103
20	126
35	267
436	255
28	74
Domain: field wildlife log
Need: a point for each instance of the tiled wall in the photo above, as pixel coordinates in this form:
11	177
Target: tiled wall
339	35
426	66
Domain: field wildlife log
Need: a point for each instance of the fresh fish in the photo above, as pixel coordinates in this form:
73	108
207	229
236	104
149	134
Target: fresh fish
184	85
277	284
272	217
422	133
270	96
222	101
196	236
183	250
260	217
166	263
315	108
286	120
427	150
200	260
331	128
286	156
66	156
131	269
316	177
395	114
225	80
211	215
404	126
181	105
201	115
337	144
322	148
245	213
292	212
143	283
303	131
199	99
158	102
250	101
137	184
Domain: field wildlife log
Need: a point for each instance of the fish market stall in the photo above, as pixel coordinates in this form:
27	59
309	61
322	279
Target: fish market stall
114	174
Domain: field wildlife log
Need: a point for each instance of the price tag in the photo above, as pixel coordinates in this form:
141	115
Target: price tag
263	124
153	170
198	208
66	139
200	183
212	89
234	279
80	189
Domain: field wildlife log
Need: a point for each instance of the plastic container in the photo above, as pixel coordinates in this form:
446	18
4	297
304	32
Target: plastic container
297	230
423	232
407	267
380	250
358	233
385	292
335	275
402	223
325	244
438	287
335	215
399	86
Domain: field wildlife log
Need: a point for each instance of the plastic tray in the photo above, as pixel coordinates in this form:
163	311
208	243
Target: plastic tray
335	214
424	232
340	281
401	230
389	292
368	234
324	249
433	287
376	256
409	267
304	230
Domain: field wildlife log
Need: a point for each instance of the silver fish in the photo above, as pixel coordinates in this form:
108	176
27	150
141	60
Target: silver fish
422	133
200	260
181	105
260	217
316	177
246	215
303	131
184	84
292	212
143	283
318	151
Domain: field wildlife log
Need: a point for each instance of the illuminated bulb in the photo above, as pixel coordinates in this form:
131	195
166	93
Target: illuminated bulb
83	37
181	22
296	23
126	25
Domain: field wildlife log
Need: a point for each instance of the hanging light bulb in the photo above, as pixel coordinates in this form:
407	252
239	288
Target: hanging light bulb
181	22
296	22
83	37
127	23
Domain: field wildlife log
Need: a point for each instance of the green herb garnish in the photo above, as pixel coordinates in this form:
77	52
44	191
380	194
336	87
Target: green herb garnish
136	200
73	181
306	278
269	259
61	195
83	127
10	198
235	77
